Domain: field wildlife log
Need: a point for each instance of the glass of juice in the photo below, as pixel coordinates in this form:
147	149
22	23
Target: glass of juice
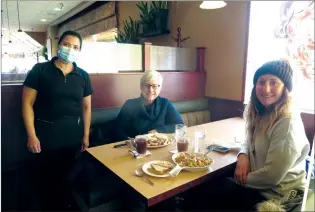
183	144
141	144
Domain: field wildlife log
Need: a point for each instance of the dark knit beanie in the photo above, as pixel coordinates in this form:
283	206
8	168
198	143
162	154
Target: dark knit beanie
279	68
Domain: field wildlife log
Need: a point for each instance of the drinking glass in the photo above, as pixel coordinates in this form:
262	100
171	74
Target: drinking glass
141	144
180	131
199	140
183	144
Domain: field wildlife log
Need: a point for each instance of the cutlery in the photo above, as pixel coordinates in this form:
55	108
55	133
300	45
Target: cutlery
126	143
120	145
140	174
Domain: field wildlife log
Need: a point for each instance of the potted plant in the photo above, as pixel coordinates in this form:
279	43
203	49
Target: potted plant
153	17
44	53
161	15
147	17
130	32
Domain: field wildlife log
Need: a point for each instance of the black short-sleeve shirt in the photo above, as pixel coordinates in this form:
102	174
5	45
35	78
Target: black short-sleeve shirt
58	95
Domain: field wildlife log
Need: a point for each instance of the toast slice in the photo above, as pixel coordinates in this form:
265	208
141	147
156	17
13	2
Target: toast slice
160	169
165	164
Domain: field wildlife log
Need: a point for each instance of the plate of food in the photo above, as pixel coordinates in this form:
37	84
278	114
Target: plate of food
192	162
158	140
158	168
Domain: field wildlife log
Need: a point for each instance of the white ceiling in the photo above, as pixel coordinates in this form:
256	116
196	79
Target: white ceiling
31	13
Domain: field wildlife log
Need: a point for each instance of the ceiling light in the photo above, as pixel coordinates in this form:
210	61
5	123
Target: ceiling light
17	6
8	22
60	7
43	20
212	4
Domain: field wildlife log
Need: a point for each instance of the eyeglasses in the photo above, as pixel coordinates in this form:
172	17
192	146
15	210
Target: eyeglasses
154	86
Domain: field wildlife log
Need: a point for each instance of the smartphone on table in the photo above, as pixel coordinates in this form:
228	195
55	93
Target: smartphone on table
218	148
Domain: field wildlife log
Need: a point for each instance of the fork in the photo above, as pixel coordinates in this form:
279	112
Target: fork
140	174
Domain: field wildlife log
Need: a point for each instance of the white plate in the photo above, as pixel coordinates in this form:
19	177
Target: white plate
194	169
154	147
146	168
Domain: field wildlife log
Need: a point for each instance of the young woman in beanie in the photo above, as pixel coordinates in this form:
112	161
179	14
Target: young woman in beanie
273	161
270	171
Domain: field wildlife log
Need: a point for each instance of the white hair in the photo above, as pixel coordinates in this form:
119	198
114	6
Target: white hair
151	75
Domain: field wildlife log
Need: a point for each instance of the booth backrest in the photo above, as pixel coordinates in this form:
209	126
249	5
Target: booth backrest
193	112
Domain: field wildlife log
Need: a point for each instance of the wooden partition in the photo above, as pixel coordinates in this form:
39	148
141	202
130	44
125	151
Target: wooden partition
112	90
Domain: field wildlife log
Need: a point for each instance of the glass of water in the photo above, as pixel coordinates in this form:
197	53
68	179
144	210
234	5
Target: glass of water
199	142
180	131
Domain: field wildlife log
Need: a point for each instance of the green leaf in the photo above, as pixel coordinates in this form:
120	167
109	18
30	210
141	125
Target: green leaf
130	32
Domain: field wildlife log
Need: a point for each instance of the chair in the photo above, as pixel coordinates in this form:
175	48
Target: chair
308	201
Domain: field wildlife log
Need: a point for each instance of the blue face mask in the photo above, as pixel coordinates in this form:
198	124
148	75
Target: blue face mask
68	55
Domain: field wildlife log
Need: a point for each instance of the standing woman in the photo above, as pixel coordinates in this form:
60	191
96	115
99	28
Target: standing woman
57	114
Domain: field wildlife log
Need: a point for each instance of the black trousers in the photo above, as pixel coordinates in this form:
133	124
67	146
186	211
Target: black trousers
222	195
43	178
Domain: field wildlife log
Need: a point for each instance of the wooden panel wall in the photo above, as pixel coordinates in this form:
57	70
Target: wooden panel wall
96	21
13	137
112	90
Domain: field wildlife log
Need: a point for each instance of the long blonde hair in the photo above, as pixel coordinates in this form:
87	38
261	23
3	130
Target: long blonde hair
260	119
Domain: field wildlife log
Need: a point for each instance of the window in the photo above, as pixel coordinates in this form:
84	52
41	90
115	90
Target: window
283	30
15	66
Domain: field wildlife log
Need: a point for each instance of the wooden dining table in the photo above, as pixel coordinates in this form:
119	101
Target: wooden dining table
123	164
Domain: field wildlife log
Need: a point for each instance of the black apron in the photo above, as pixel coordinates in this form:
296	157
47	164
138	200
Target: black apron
60	133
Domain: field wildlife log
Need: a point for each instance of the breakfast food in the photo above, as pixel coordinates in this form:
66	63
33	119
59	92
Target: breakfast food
186	159
156	140
160	168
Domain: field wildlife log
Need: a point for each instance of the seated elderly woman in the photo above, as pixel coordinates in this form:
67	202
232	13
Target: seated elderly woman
149	113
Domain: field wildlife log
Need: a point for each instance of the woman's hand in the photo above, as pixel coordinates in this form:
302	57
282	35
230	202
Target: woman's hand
152	131
33	144
85	143
242	169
